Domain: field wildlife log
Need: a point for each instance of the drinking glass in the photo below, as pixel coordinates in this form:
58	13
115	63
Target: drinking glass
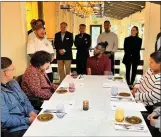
110	76
119	115
71	87
74	74
114	91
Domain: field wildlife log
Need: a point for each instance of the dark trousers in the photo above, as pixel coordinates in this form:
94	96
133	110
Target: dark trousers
81	61
133	65
50	76
154	131
17	133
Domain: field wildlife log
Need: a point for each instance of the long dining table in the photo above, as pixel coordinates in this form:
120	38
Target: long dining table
99	120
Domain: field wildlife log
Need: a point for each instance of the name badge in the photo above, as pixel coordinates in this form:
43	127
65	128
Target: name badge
67	38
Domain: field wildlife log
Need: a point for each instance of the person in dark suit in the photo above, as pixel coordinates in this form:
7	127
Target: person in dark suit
158	42
63	43
82	43
132	47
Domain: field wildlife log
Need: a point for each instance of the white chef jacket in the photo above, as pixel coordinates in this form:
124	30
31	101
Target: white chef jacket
36	44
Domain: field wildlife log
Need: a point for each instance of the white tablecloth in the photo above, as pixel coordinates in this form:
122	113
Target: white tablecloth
97	121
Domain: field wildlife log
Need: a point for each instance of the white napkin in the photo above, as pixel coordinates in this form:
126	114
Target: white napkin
130	127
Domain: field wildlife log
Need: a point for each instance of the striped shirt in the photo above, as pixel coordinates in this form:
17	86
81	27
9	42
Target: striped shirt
149	90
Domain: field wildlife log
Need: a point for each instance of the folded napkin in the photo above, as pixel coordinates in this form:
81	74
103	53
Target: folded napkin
130	127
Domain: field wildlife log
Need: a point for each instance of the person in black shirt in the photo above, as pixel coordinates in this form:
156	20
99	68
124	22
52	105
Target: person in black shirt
132	47
82	43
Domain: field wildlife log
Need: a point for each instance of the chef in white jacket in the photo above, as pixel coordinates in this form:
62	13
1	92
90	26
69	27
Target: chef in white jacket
38	43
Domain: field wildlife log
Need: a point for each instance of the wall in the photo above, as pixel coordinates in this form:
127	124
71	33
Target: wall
152	28
50	12
31	12
13	34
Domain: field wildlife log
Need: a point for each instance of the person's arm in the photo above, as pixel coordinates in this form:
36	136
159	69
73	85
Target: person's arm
125	45
152	95
115	44
107	67
77	42
70	42
11	121
34	85
89	42
30	47
56	42
99	39
89	72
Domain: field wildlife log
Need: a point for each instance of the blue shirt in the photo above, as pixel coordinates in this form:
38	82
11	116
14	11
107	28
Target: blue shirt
15	107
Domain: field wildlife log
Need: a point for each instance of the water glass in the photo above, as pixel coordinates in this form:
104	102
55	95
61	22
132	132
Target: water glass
110	76
71	87
114	91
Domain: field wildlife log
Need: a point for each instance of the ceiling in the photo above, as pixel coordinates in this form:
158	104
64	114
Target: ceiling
120	10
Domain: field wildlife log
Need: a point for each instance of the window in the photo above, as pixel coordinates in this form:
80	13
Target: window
95	31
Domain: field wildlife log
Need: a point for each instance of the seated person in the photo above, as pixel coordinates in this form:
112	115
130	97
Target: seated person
17	113
154	122
35	81
99	64
149	87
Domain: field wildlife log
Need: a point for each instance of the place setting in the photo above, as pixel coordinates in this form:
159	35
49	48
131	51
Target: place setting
120	96
128	123
48	114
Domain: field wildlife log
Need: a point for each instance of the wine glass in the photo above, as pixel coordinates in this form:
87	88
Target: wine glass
74	74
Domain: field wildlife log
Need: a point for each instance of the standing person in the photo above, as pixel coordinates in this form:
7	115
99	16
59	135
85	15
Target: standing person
132	47
41	43
63	43
158	42
82	43
112	41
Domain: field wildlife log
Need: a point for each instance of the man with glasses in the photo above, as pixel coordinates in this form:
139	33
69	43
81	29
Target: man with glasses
17	113
112	40
99	64
40	42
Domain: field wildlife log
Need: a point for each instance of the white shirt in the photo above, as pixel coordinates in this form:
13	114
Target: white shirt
111	38
36	44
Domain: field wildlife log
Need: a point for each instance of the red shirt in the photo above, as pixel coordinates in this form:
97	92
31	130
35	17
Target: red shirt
99	65
35	83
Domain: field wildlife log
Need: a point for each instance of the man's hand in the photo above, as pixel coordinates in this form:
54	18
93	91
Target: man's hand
61	52
31	119
33	114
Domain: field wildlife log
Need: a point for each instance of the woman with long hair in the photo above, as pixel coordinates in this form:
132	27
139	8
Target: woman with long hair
131	59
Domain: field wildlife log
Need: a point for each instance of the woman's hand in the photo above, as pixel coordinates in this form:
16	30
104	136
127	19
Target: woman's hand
152	121
134	90
151	116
